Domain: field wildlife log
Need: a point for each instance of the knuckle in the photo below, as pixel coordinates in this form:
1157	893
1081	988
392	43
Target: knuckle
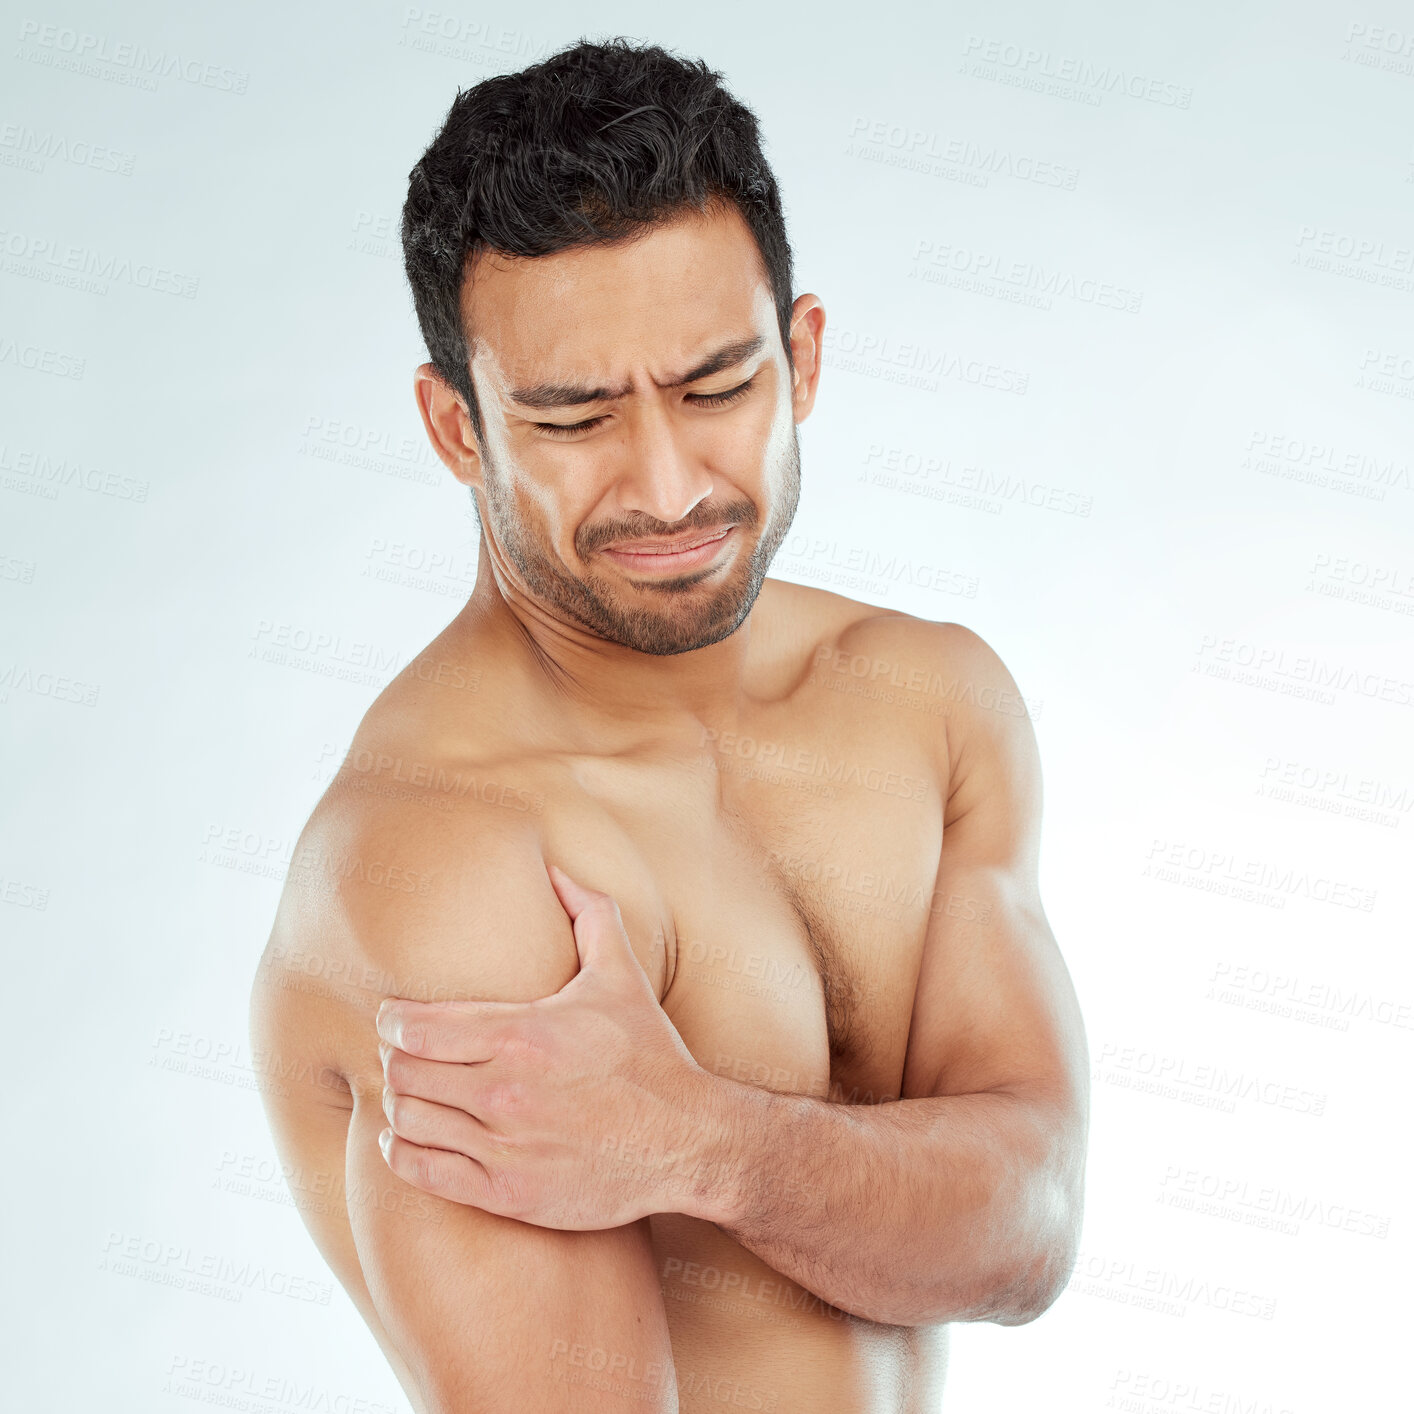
510	1195
508	1097
609	906
423	1169
521	1047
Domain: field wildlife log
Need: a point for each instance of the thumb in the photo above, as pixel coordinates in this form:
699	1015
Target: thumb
599	933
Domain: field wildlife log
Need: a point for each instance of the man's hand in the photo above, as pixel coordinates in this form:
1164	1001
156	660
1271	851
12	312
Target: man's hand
577	1111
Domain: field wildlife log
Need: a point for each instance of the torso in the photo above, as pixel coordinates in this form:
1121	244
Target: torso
776	887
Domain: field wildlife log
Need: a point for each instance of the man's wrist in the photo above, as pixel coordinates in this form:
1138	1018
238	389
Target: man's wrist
724	1123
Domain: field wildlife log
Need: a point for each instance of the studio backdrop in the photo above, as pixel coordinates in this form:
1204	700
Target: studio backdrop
1118	373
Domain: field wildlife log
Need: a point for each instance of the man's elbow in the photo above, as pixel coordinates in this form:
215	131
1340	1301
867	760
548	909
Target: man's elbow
1051	1214
1013	1294
1036	1283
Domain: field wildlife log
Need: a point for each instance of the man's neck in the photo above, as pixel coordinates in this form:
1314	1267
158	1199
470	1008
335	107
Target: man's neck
603	681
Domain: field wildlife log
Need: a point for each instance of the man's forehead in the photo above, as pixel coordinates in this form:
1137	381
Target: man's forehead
666	300
579	364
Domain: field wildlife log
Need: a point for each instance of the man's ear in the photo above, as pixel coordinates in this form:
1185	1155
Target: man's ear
807	333
448	425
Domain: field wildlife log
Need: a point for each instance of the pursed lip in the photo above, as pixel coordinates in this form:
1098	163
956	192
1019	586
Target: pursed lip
668	547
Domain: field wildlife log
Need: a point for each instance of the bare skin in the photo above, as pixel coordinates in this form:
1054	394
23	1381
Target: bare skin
871	1032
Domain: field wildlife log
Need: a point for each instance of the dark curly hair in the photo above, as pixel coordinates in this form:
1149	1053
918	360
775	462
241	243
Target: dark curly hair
587	147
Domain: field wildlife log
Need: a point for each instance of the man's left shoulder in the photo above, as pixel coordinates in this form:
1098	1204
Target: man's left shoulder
947	684
945	662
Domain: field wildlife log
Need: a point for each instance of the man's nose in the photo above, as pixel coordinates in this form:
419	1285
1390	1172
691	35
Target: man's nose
662	476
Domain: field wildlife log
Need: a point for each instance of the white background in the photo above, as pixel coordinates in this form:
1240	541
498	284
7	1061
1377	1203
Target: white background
1195	556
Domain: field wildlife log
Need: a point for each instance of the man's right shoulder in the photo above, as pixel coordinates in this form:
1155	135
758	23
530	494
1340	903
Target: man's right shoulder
409	880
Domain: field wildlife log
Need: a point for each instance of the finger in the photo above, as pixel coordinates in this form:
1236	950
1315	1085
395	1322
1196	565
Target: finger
572	894
448	1031
436	1126
437	1171
462	1087
599	932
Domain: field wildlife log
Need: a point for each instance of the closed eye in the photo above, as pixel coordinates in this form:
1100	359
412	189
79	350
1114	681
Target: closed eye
708	400
717	400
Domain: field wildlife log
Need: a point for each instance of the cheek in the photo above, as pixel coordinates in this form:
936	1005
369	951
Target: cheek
559	509
745	448
776	439
543	503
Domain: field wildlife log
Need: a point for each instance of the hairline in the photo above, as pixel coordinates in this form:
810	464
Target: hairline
715	204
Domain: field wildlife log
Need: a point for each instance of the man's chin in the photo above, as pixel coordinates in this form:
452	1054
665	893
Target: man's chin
698	615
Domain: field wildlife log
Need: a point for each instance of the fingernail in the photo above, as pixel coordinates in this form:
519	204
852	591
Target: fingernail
385	1141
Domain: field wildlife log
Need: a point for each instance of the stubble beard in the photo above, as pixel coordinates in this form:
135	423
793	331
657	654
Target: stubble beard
666	616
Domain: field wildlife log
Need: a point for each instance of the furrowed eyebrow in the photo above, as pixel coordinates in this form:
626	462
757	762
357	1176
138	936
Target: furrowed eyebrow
558	395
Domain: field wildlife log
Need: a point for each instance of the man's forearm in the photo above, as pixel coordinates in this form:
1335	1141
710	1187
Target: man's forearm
910	1212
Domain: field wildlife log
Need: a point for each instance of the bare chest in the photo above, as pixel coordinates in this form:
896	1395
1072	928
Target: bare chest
786	877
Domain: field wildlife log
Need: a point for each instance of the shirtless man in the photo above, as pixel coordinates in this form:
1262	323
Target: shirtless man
825	973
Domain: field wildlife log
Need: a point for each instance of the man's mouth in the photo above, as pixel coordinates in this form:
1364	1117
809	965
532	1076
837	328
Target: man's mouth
666	547
670	556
